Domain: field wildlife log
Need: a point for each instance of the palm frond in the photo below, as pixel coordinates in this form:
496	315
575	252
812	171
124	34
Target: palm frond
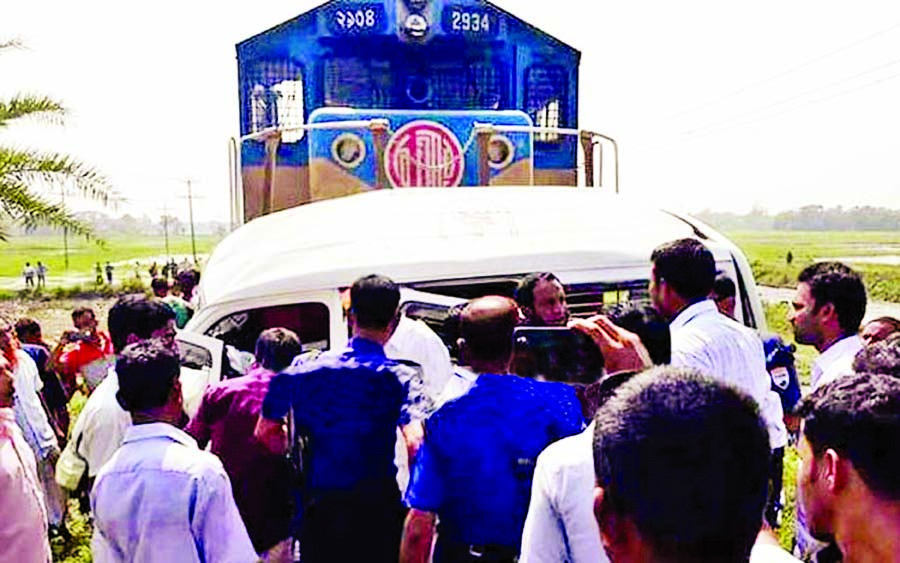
35	107
31	211
29	166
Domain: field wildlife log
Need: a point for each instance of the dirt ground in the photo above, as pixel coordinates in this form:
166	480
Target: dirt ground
54	315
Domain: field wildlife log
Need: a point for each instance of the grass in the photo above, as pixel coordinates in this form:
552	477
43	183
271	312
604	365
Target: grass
767	252
83	255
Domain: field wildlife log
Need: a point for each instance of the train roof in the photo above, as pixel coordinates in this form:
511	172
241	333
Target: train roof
272	41
424	234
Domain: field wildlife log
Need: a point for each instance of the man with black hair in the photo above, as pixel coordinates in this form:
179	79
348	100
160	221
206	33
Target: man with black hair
101	426
684	272
849	476
475	468
878	329
83	352
880	357
159	497
681	464
227	418
826	312
724	294
346	407
542	299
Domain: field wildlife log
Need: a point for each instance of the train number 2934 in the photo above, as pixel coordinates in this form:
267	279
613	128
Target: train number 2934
475	22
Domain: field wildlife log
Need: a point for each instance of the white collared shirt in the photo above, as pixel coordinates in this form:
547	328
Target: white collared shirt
100	428
162	499
561	525
835	361
414	341
30	414
704	339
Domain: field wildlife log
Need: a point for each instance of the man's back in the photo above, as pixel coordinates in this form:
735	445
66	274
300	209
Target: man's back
162	499
101	426
476	466
706	340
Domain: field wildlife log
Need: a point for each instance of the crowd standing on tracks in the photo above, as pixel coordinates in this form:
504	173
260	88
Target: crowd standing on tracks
389	450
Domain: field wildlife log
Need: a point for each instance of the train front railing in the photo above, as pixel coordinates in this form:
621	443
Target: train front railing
484	136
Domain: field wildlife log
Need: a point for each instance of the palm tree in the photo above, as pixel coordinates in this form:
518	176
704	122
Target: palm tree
22	169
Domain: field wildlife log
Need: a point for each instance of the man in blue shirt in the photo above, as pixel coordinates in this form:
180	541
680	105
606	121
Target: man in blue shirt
346	407
475	468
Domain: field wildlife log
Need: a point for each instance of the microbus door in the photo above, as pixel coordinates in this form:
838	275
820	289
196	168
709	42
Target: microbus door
201	365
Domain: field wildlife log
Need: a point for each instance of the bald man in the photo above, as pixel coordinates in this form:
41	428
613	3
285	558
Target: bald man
475	469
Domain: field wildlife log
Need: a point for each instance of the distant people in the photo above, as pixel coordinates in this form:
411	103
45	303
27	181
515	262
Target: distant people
878	329
82	356
681	464
28	274
542	299
98	274
172	267
347	405
23	514
41	271
109	273
154	270
683	276
160	497
137	270
826	312
182	308
724	294
848	479
101	426
260	480
881	357
471	480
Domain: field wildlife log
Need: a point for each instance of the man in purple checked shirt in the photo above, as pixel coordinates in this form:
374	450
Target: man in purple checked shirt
261	481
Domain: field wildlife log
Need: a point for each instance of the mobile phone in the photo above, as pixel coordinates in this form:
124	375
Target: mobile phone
556	354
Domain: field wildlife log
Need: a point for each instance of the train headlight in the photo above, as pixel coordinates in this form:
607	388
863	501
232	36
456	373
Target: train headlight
500	152
348	150
416	26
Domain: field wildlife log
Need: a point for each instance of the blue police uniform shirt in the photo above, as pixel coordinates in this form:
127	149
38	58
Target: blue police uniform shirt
476	465
348	404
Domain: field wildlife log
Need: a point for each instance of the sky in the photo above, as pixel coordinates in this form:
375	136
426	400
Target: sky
714	105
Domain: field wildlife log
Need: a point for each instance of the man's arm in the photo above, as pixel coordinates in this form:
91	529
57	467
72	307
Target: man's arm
200	427
272	434
218	529
418	536
271	428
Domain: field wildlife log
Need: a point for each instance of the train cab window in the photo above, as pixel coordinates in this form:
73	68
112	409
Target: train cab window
308	320
545	93
274	94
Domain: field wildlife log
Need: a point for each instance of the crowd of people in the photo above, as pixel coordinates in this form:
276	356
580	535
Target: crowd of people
392	449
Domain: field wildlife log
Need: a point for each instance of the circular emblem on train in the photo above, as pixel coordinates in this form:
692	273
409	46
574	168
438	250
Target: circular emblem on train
424	154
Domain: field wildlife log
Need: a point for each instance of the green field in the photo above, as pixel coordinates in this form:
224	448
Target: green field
83	255
767	252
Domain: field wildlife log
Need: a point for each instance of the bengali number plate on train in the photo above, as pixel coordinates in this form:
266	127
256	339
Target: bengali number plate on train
468	20
356	19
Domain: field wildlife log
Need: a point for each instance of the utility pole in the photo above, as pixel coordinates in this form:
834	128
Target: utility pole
190	199
62	195
165	222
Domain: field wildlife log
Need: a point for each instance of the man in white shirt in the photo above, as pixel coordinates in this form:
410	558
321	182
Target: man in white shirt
101	426
684	272
161	498
414	341
826	312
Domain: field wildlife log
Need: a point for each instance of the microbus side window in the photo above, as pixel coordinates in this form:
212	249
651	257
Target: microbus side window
241	329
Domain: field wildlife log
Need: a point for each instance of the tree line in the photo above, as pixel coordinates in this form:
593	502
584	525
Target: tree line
808	218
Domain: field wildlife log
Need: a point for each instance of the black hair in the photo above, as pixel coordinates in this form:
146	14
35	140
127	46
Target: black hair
374	301
138	315
27	326
146	371
525	290
723	287
686	459
890	321
159	283
880	357
687	266
276	348
838	284
858	416
78	312
645	321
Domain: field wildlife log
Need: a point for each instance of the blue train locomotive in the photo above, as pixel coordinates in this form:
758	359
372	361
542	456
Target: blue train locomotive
359	95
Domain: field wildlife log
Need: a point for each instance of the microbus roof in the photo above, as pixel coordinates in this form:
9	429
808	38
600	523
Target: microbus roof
425	234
